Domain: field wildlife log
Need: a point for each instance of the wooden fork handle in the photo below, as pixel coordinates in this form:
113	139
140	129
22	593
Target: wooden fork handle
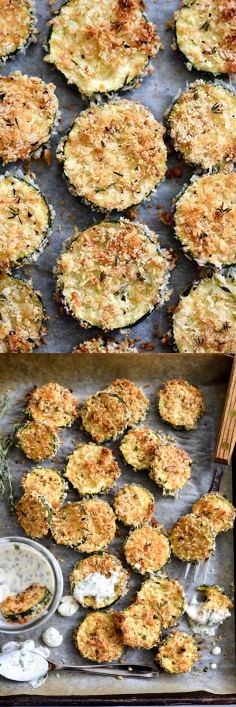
227	433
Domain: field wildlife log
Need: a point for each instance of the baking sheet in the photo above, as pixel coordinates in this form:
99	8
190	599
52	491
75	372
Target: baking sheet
156	92
84	375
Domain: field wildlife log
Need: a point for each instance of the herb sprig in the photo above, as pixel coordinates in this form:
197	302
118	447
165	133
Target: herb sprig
6	482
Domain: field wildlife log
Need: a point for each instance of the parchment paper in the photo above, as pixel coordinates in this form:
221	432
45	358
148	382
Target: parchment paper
156	92
87	374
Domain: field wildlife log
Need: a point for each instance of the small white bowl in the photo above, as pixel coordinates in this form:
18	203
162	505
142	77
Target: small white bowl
57	580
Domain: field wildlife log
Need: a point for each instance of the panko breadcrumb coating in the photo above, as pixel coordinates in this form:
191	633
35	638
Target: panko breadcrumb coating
147	549
98	638
114	155
139	446
134	397
53	404
34	514
192	538
205	34
133	504
28	109
177	653
102	48
219	511
92	469
180	404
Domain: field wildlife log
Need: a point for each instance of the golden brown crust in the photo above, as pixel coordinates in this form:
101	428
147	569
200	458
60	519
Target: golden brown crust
53	405
20	608
34	515
98	639
171	468
147	549
47	483
92	469
113	274
180	404
70	525
104	564
219	511
24	222
101	525
112	48
139	446
205	216
177	653
134	398
201	327
104	416
206	34
38	441
133	504
98	345
192	538
105	150
22	315
140	625
28	109
165	595
16	25
201	124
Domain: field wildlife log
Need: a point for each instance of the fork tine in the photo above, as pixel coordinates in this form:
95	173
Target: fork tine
206	568
196	571
188	565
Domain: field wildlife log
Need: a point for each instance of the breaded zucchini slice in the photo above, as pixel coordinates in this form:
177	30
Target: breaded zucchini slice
205	34
114	154
70	525
192	538
20	608
98	581
102	50
101	525
165	595
201	125
219	511
205	616
98	638
177	653
134	397
38	441
171	468
104	416
133	504
216	599
21	316
34	514
112	275
52	404
147	549
180	404
28	109
25	221
92	469
139	447
47	483
205	218
204	320
140	624
17	26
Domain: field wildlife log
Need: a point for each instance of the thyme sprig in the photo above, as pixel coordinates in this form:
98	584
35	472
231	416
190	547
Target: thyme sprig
6	482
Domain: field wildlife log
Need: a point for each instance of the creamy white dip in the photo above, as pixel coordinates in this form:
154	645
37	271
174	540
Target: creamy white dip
52	637
68	606
24	662
203	620
96	585
216	650
21	566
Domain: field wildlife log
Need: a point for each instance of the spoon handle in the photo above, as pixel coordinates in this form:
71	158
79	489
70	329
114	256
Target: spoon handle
129	671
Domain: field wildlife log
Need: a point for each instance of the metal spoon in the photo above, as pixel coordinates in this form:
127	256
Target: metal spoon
126	671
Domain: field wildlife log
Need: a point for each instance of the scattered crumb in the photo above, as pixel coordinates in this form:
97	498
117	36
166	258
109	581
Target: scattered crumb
174	172
47	157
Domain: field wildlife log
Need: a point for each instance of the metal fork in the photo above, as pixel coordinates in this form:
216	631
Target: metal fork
226	441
